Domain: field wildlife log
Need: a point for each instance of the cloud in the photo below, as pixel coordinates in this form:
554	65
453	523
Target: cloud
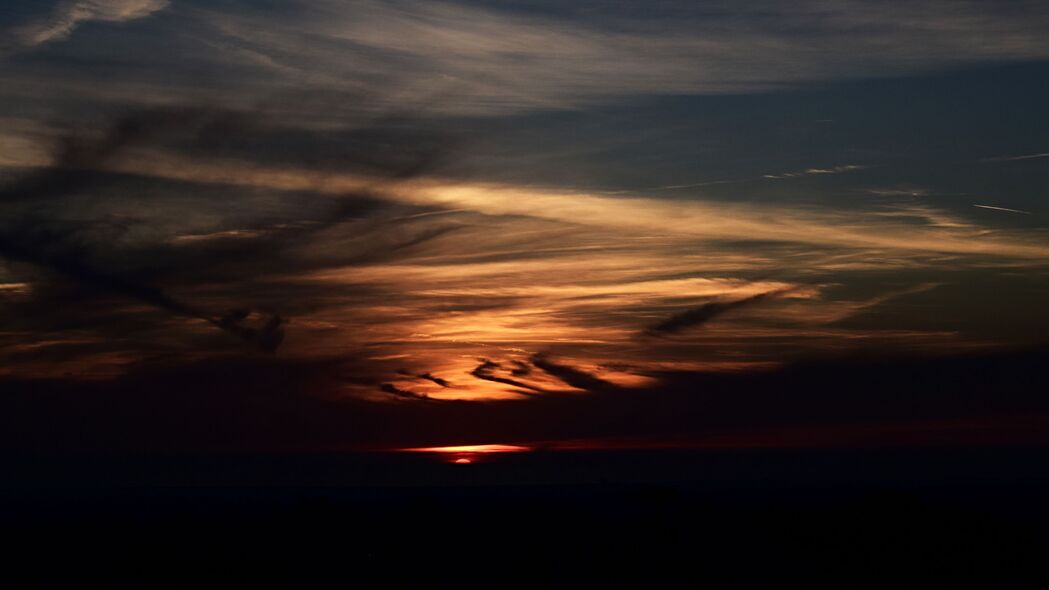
1016	158
484	60
485	372
815	172
714	221
402	393
59	249
497	60
70	14
1003	209
699	316
899	192
571	376
46	227
781	176
437	272
427	377
378	255
694	219
278	404
435	379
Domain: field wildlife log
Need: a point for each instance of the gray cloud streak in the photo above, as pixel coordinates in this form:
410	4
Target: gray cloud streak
699	316
1016	158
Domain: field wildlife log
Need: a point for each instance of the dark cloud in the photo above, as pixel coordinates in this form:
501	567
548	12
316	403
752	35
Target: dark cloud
403	393
50	247
79	155
521	369
87	250
436	380
426	377
571	375
698	316
69	265
269	404
485	371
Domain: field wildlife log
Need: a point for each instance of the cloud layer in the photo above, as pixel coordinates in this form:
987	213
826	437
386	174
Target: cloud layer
485	59
451	289
333	188
498	60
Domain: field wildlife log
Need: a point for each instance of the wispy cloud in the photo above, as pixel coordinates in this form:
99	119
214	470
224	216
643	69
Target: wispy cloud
427	284
815	171
780	176
69	14
691	219
1016	158
672	187
898	191
423	274
496	60
484	60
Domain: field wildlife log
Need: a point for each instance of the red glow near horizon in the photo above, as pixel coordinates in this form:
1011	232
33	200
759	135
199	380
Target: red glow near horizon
466	454
472	449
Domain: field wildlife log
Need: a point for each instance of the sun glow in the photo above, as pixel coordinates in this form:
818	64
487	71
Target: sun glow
467	454
472	449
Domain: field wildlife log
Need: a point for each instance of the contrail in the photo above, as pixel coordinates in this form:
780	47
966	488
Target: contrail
1015	158
1003	209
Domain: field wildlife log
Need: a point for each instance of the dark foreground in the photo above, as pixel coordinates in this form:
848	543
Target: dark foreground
654	519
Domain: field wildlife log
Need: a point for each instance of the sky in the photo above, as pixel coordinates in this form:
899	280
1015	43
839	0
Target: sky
359	224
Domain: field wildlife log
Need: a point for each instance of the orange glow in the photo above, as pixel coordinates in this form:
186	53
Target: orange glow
472	449
466	454
579	276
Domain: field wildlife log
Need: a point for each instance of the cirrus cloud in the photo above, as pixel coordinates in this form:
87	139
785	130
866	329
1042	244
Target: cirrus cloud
67	16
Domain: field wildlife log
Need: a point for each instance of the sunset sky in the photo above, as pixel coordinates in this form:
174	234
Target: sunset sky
340	224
